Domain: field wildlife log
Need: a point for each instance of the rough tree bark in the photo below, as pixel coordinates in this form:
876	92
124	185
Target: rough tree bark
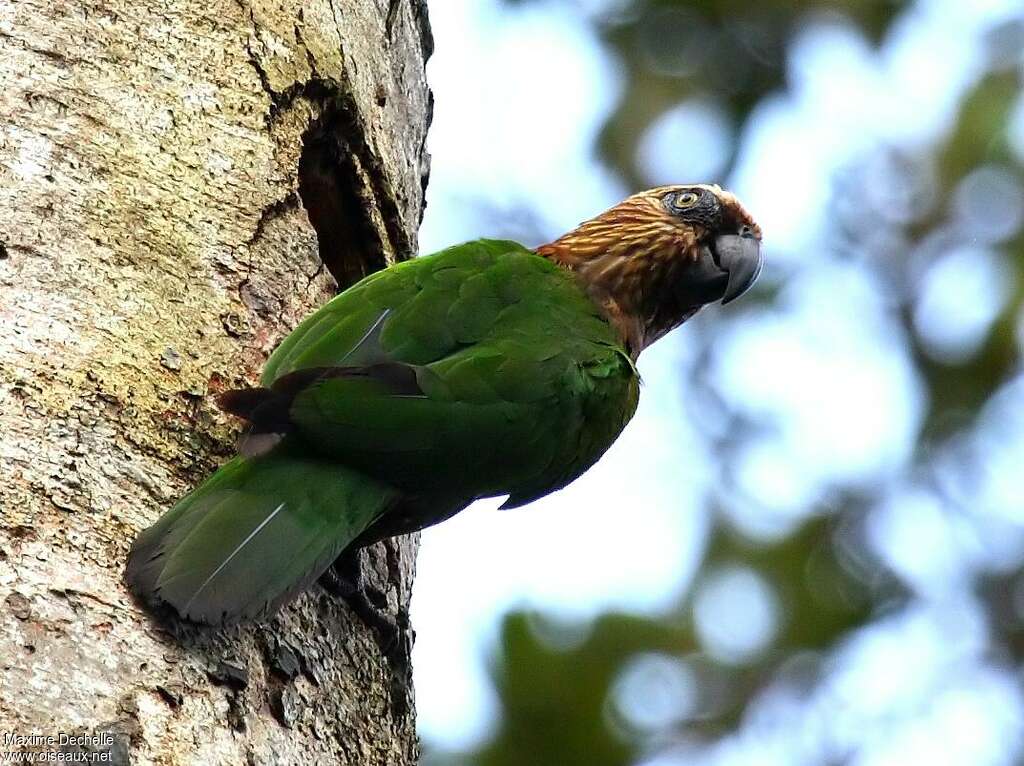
166	171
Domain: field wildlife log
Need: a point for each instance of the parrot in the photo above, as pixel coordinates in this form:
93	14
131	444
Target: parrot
488	369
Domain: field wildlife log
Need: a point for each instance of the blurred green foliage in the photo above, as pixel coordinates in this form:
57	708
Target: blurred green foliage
556	681
959	390
670	50
560	685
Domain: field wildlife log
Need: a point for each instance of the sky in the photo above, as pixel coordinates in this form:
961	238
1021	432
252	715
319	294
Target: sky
533	82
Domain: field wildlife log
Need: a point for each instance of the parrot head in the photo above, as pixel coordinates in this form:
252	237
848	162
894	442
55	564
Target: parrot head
652	261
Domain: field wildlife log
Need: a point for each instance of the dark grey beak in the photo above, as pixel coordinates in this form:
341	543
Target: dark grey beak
740	256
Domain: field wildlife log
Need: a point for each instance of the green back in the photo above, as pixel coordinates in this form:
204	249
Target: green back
520	383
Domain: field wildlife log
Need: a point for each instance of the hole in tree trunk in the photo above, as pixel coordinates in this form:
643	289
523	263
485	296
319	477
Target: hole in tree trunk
334	189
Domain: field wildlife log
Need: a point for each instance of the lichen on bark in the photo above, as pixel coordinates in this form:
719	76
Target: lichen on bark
160	164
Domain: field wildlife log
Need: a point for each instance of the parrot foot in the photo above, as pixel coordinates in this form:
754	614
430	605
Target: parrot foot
393	634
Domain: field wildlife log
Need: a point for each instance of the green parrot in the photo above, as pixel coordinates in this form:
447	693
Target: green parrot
486	369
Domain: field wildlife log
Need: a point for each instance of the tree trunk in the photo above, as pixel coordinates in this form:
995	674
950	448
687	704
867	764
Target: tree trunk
166	171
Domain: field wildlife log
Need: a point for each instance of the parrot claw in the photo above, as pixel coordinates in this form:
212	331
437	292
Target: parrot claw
344	578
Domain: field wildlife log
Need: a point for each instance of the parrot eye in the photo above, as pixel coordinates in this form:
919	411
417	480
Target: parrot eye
695	206
685	200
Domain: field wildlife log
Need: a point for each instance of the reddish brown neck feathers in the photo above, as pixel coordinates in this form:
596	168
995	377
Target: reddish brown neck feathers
631	260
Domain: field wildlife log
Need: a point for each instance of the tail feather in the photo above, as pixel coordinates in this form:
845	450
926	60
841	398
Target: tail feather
266	410
253	535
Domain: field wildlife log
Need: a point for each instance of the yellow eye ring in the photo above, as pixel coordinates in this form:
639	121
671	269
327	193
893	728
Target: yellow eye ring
686	199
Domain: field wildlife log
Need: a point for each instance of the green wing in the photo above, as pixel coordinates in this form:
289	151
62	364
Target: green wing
483	368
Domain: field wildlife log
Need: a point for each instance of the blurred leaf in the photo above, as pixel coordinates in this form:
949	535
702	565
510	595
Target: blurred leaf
554	699
957	391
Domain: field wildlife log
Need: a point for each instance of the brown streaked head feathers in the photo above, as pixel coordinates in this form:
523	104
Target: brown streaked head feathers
654	259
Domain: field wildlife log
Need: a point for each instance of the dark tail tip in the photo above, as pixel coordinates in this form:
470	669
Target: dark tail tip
243	402
267	410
